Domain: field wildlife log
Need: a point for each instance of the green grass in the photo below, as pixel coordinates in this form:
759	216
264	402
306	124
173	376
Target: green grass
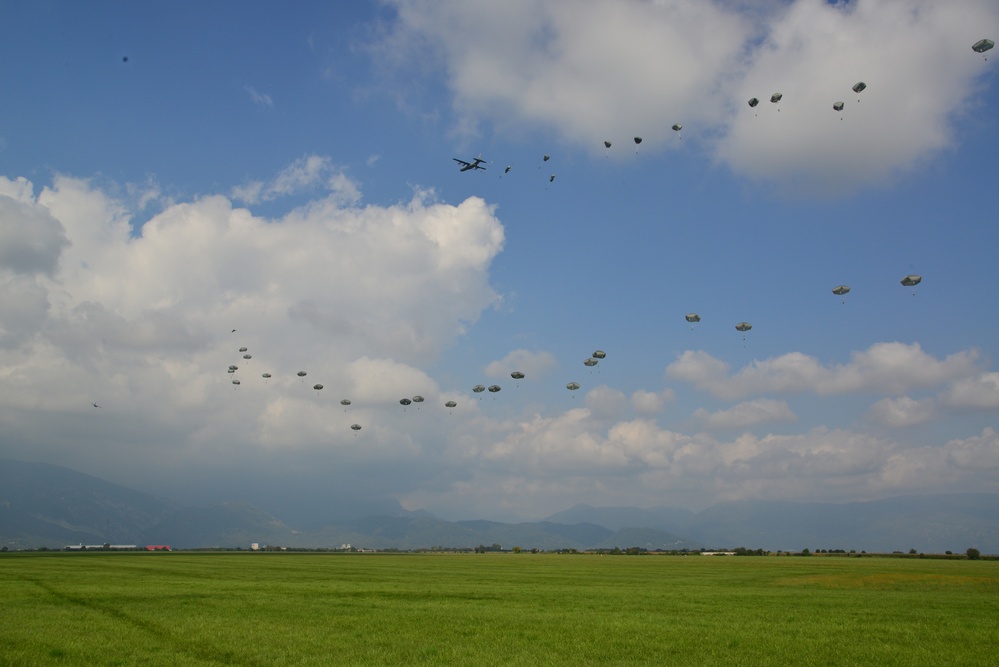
530	609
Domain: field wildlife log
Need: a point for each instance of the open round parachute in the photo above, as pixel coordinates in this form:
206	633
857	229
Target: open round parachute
982	45
345	402
517	375
912	280
753	102
599	354
356	427
692	317
590	362
840	290
572	386
743	326
494	388
404	401
479	388
317	387
450	404
266	376
242	349
302	374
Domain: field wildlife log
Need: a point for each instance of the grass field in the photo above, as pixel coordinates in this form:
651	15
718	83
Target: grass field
493	609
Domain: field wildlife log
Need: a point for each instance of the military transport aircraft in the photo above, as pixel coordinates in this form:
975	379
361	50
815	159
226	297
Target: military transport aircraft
474	164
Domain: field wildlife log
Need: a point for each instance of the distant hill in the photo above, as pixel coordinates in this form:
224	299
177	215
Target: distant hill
43	505
47	505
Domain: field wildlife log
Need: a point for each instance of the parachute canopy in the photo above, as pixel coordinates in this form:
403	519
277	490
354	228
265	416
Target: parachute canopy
450	404
912	280
599	354
235	381
859	87
638	140
265	375
242	349
417	399
517	375
479	388
546	157
345	401
776	97
302	374
494	388
247	356
982	45
356	427
692	317
607	144
317	387
753	101
840	290
404	401
233	368
838	106
590	362
743	326
572	386
677	127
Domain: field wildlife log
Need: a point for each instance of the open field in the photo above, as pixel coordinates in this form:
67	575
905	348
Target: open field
533	609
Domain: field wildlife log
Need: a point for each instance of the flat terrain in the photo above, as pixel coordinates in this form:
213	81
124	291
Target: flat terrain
493	609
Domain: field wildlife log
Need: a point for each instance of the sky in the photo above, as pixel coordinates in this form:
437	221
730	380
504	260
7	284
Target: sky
182	180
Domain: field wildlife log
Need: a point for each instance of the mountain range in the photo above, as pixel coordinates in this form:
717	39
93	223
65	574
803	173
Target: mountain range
43	505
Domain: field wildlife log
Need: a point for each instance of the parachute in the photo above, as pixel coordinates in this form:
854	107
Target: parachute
266	376
912	280
599	354
693	318
317	387
838	106
551	178
236	382
743	326
417	399
776	97
607	144
590	362
676	128
546	157
841	290
302	374
242	349
494	388
859	87
450	404
572	386
247	356
517	375
233	368
753	102
345	402
638	140
479	388
356	427
404	401
982	45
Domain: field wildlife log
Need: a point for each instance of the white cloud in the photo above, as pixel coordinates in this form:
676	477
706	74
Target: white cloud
610	70
980	392
902	411
651	402
533	364
31	240
749	413
883	367
302	175
260	99
142	323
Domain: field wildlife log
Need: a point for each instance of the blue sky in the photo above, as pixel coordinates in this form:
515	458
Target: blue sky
168	174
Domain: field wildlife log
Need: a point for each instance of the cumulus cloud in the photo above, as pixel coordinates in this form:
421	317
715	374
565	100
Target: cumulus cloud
31	240
749	413
142	321
902	411
651	402
533	364
883	367
980	392
599	70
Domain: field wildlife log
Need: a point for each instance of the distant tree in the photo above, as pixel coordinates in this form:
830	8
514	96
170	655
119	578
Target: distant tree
806	552
517	550
4	550
949	552
973	553
912	552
